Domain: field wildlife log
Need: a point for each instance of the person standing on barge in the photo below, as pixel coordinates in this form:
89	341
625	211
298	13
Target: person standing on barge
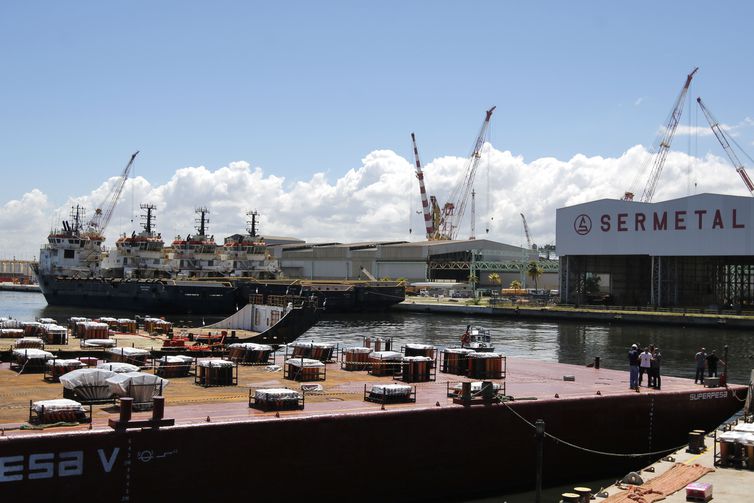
633	367
701	359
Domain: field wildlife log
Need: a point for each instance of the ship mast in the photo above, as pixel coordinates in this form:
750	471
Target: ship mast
252	224
202	221
149	217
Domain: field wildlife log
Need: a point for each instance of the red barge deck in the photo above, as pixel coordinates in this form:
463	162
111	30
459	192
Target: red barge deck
341	447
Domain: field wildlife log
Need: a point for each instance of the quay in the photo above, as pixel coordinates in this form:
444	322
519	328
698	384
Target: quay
18	287
728	484
591	313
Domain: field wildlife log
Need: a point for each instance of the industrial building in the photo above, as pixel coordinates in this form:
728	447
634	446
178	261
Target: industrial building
432	260
16	271
696	251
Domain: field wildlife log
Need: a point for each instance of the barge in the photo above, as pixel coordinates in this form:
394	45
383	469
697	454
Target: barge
341	447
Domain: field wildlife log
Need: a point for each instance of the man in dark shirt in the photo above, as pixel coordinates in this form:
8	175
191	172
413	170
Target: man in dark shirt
633	367
712	360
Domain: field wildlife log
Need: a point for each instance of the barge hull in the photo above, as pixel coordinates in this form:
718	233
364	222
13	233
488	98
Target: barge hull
395	455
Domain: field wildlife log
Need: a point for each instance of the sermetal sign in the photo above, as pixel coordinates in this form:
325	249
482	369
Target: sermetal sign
706	224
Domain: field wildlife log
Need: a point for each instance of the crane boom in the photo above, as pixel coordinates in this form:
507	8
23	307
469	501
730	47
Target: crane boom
663	146
722	138
454	209
101	218
526	231
428	221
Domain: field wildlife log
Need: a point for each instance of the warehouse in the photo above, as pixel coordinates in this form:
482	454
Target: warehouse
696	251
417	261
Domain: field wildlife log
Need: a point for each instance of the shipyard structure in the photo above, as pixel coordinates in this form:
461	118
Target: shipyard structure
696	251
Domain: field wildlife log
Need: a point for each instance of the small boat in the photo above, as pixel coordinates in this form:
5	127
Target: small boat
478	339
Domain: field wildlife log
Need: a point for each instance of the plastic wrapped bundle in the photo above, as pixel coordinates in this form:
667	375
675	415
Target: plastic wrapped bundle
322	351
74	320
137	385
249	353
54	334
118	367
134	356
30	359
111	322
304	369
126	326
390	393
87	385
10	323
356	358
277	399
157	325
61	410
51	321
420	350
12	333
60	366
32	328
174	366
485	365
455	360
98	343
417	369
30	342
383	363
215	372
476	387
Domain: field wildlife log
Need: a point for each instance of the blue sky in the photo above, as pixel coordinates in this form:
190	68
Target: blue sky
299	88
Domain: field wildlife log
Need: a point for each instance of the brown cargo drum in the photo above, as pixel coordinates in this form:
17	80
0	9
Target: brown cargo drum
485	365
384	363
454	360
417	369
216	372
356	358
249	353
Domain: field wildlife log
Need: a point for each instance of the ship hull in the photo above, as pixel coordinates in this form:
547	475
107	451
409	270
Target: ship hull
206	297
394	455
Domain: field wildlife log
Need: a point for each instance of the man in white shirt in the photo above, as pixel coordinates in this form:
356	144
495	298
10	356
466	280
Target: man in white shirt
645	361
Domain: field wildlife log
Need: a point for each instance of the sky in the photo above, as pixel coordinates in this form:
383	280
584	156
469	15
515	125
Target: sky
303	110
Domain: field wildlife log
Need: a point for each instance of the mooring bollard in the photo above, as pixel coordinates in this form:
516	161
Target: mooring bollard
126	405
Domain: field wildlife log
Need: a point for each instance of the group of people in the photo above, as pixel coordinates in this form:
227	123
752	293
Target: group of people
706	360
646	362
649	362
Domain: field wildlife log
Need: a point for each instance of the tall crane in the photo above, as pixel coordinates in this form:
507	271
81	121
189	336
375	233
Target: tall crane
101	217
431	216
452	212
526	231
723	139
662	144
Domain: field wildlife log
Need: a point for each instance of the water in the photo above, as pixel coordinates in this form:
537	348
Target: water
566	342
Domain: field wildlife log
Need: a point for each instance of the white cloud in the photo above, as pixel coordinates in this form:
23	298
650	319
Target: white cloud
638	101
374	201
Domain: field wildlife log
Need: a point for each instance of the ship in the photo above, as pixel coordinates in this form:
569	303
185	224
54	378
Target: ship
192	276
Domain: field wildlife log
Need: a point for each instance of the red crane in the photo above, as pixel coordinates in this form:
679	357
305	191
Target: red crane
430	215
662	144
723	139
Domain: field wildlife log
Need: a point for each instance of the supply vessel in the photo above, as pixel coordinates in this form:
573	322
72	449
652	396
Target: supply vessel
193	275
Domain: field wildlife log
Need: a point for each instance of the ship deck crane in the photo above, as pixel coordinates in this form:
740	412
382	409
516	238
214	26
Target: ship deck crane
662	144
723	139
101	217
